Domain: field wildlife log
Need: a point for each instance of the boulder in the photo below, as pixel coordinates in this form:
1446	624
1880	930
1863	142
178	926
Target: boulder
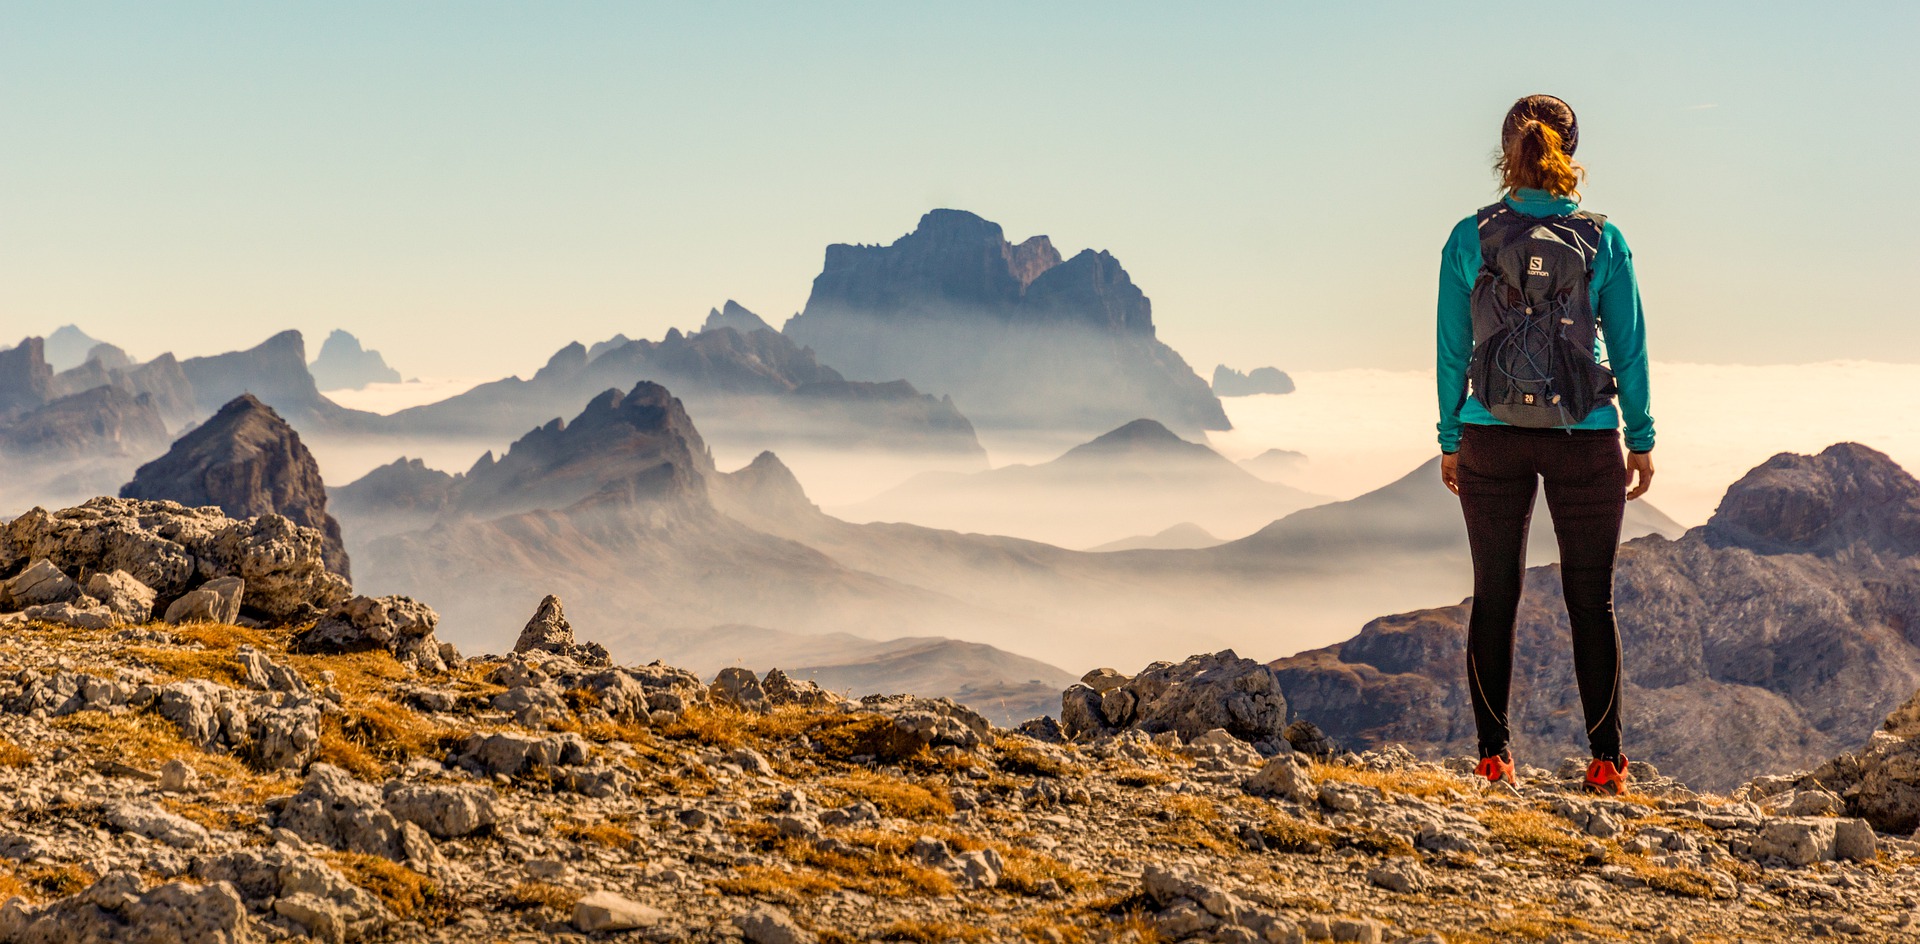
932	721
400	625
150	821
117	909
1217	690
549	631
443	810
73	614
738	688
263	673
1283	776
767	924
1800	841
512	754
172	550
606	911
128	599
334	810
783	690
304	889
216	601
40	584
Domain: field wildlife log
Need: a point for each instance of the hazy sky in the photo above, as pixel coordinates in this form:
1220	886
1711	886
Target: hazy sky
469	185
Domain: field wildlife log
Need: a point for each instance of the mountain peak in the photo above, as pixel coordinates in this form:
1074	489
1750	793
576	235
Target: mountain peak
344	365
1846	495
1141	435
248	461
736	316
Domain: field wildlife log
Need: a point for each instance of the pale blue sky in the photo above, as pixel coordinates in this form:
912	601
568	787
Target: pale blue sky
469	185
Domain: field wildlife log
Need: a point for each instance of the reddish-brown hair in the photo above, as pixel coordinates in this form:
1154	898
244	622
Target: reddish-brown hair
1536	144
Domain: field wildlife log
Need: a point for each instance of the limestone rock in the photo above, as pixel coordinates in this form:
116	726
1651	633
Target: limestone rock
739	688
400	625
333	809
549	631
1282	776
216	601
767	924
303	889
40	584
152	822
1216	690
128	599
115	910
444	810
606	911
172	550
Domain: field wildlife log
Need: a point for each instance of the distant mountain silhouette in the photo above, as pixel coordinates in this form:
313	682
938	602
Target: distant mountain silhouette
344	365
248	461
1020	338
1275	465
1228	382
735	315
69	347
1185	536
1768	639
1138	478
755	388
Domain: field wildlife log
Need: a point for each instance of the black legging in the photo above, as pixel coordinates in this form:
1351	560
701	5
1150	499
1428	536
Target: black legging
1586	478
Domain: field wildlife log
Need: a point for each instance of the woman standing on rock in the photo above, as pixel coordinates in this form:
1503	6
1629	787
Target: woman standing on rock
1529	288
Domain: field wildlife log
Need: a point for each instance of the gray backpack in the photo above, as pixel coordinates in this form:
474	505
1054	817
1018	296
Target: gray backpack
1533	360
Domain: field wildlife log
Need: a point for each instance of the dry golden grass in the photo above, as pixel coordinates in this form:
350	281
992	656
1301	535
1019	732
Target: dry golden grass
893	795
713	725
149	741
1132	776
58	881
240	818
529	895
846	736
12	887
1027	872
1534	830
1285	833
874	863
933	932
13	755
1420	783
1182	806
1686	883
403	890
1022	757
610	835
788	887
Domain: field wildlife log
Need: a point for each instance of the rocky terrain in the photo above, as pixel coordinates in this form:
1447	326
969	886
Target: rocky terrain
1228	382
344	365
246	461
69	347
1767	639
275	758
1019	337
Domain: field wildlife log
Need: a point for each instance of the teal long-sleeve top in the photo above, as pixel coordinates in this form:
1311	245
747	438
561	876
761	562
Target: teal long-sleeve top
1613	293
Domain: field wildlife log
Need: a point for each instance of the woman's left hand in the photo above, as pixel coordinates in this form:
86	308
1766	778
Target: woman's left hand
1639	473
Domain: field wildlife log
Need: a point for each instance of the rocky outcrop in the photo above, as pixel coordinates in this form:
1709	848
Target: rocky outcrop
548	631
246	461
1189	698
400	496
171	551
25	379
344	365
1228	382
1767	639
400	626
1018	337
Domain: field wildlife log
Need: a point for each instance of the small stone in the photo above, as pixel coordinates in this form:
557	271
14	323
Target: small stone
177	776
216	601
770	925
606	911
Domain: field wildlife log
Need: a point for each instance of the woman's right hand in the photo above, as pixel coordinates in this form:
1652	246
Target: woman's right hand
1450	471
1639	473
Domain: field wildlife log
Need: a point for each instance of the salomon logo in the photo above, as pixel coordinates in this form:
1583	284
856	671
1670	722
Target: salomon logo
1535	266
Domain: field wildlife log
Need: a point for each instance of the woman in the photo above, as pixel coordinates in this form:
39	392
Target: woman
1529	287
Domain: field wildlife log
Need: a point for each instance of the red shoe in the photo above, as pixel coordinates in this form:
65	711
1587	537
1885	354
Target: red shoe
1497	768
1604	777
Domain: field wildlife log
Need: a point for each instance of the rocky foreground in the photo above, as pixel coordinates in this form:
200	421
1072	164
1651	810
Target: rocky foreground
275	759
